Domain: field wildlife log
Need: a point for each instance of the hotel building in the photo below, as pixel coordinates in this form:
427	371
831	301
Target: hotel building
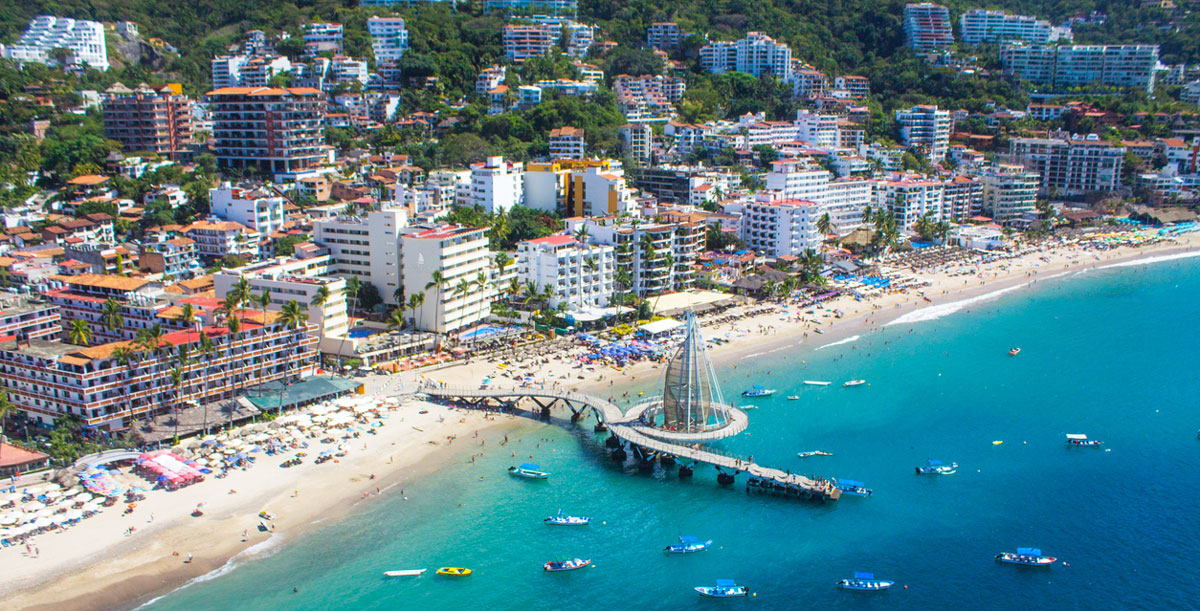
277	131
1070	166
983	26
461	254
927	27
580	275
155	121
84	40
925	129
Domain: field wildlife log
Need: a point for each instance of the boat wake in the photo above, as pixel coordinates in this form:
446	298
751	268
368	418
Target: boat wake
258	550
852	338
1148	260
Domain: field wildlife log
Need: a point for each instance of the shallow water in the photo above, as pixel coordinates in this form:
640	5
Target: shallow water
1110	353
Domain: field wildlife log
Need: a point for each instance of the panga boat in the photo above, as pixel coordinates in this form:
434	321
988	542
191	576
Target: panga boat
850	486
816	383
855	383
687	545
564	563
1081	440
266	515
813	453
864	581
404	573
528	471
937	467
758	391
793	397
1014	352
725	588
1026	556
454	571
561	520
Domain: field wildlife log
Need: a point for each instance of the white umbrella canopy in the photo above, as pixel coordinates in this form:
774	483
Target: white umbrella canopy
41	523
10	518
74	514
33	506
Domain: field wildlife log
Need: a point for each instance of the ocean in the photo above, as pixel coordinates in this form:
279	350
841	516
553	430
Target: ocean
1108	352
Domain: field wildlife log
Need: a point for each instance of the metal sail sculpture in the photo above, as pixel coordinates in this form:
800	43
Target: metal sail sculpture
690	388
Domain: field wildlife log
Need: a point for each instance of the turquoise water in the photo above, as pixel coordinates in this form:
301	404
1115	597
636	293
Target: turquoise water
1110	353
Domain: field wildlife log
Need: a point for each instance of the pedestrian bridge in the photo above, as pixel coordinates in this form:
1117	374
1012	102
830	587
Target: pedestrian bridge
629	428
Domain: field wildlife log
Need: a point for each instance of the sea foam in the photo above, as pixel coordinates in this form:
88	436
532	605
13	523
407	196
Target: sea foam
260	549
1159	259
852	338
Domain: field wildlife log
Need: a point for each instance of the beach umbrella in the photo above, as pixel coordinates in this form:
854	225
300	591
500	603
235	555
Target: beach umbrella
41	523
74	514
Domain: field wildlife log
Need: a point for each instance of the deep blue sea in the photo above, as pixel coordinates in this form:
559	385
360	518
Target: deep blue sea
1112	353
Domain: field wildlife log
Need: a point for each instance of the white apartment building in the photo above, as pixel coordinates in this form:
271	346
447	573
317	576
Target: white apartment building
1064	66
567	143
756	54
910	199
1070	165
497	184
817	129
926	130
489	79
227	70
367	247
461	254
84	40
800	179
247	71
581	275
641	251
579	38
290	279
1009	192
780	227
844	202
389	38
522	42
637	139
962	198
258	208
322	37
927	27
215	239
664	35
983	26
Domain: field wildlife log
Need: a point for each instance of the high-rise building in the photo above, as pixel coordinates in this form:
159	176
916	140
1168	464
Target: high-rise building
756	54
927	27
1065	66
257	207
524	41
1009	192
1069	164
367	247
82	40
925	129
497	185
641	250
780	227
579	275
909	199
461	255
322	38
983	26
277	131
637	139
389	38
154	120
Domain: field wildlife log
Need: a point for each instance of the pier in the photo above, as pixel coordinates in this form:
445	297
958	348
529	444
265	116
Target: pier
631	429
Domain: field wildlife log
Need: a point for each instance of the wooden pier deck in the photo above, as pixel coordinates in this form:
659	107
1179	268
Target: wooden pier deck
632	431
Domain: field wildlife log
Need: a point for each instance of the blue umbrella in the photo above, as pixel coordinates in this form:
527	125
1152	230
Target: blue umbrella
162	478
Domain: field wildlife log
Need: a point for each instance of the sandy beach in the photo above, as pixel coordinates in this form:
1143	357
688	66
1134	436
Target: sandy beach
96	566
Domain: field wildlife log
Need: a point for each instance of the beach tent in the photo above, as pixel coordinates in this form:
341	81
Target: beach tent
660	327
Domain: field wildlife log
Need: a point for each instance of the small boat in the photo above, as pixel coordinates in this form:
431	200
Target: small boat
937	467
850	486
561	520
1026	556
818	331
565	563
855	383
864	581
1014	352
758	391
404	573
725	588
817	383
687	545
998	442
528	471
793	397
454	571
812	453
266	515
1081	440
745	407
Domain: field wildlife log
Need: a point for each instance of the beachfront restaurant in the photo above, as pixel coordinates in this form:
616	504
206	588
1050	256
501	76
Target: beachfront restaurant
316	389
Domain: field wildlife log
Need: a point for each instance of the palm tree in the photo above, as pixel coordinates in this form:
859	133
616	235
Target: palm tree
592	266
207	350
415	301
623	281
396	319
111	315
353	286
484	283
80	332
125	355
463	289
824	225
436	280
293	317
234	325
177	382
6	408
263	300
398	295
321	298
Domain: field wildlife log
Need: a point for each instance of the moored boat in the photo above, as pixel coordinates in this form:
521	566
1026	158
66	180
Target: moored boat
561	520
725	588
687	545
850	486
793	397
528	471
855	383
454	571
817	383
758	391
1026	556
1014	352
937	467
811	453
865	582
1079	439
404	573
565	563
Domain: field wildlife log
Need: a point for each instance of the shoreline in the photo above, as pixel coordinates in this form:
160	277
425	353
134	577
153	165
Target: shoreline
117	572
128	572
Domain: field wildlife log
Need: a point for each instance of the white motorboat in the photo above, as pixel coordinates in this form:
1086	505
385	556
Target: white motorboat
854	383
404	573
816	383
